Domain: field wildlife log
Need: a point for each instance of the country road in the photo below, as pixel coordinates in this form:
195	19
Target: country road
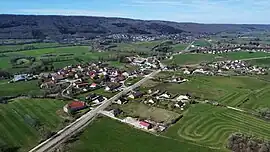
83	121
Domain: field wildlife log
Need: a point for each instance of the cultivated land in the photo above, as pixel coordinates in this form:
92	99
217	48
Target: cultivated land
23	121
237	91
188	59
106	135
19	88
211	126
58	57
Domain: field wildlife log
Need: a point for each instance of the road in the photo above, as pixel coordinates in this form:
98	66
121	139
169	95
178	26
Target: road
83	121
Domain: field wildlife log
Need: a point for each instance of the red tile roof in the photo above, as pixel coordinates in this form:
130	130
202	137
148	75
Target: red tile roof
76	104
143	123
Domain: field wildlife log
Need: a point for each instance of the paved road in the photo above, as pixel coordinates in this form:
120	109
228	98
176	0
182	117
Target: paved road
83	121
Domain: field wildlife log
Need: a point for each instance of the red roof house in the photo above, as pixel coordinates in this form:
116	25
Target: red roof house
145	125
75	106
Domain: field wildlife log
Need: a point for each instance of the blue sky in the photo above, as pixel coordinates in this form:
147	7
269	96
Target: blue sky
201	11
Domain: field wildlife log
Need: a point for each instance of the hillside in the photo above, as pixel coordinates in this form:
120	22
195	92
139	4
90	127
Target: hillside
59	27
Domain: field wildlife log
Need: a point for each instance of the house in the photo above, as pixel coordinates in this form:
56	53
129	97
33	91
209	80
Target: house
82	85
151	101
179	104
135	95
91	97
93	85
21	77
183	98
120	101
165	95
116	112
125	74
99	99
145	125
112	87
74	106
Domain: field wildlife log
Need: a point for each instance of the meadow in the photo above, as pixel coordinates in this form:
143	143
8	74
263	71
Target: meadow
58	57
17	116
18	88
211	126
106	135
144	111
189	59
237	91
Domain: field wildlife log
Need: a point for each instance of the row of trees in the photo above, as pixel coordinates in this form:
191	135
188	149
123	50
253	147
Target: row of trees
241	143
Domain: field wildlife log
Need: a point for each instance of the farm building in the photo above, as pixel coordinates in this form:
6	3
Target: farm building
145	125
74	106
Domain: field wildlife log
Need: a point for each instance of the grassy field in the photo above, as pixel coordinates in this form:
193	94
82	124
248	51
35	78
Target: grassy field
153	113
186	59
211	126
179	47
106	135
237	91
17	132
261	62
202	43
6	48
58	57
10	89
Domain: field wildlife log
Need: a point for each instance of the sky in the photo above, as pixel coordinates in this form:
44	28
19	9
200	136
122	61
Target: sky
199	11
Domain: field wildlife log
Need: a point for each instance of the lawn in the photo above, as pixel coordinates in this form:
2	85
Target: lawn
211	126
238	91
16	129
145	111
12	89
106	135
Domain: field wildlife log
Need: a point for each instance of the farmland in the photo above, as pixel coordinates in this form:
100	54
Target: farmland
239	91
13	89
211	126
25	121
56	57
186	59
117	137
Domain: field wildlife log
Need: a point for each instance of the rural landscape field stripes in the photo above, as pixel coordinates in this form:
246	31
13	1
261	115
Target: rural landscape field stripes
21	120
211	126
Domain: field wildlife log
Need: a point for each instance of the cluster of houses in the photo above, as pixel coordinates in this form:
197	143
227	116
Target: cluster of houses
23	77
238	66
88	77
145	63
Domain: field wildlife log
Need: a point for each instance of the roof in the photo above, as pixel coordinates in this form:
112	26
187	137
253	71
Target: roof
93	85
145	124
76	104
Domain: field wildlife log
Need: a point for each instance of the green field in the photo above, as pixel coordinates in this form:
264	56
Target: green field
241	91
16	131
106	135
261	62
211	126
187	59
58	57
12	89
143	111
202	43
11	48
179	47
